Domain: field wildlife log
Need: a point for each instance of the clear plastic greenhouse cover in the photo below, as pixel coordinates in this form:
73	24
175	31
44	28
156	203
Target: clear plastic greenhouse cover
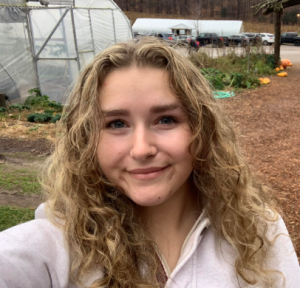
46	47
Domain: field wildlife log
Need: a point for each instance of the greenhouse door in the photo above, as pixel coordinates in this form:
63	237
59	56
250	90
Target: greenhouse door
55	50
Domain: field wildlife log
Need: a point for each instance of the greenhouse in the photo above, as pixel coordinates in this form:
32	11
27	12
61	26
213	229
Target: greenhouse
188	27
46	43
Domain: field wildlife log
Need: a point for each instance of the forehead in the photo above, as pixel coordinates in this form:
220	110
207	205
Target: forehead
135	86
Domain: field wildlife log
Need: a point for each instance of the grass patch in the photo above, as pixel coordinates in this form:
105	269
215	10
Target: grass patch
24	180
11	216
25	156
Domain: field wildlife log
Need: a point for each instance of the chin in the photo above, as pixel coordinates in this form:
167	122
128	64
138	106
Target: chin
146	199
148	203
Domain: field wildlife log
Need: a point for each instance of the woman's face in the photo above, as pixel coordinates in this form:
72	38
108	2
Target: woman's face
143	148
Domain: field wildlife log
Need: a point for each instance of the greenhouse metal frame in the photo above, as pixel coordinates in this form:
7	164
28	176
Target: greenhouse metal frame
57	47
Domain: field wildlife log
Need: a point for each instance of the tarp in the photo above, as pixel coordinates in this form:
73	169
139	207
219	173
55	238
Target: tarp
221	27
40	46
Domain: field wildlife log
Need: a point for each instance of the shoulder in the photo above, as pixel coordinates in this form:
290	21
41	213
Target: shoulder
281	255
34	254
37	234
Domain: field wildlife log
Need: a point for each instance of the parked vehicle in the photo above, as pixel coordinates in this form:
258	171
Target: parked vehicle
267	38
239	40
166	36
211	38
254	38
182	38
290	37
185	38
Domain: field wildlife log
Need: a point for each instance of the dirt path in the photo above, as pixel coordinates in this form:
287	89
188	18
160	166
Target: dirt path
18	200
25	154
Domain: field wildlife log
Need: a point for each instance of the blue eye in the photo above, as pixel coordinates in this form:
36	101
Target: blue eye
167	120
117	124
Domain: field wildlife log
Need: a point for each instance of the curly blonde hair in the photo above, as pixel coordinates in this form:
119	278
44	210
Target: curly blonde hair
102	227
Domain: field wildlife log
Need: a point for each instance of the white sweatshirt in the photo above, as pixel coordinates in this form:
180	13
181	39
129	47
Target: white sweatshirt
33	255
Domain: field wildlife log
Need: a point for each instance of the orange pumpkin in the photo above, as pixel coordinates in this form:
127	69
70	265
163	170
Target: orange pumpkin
282	74
277	69
285	63
286	60
264	81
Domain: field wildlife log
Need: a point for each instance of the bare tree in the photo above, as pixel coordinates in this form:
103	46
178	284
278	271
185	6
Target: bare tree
177	3
195	9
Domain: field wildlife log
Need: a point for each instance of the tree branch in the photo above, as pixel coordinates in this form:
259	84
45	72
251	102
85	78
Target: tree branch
270	6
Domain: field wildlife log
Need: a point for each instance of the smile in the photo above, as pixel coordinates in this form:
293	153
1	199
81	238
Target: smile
148	173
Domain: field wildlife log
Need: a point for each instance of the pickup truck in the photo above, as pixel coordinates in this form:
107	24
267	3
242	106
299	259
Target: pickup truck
212	38
290	37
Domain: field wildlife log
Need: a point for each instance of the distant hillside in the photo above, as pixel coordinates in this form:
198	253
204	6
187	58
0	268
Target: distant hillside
203	9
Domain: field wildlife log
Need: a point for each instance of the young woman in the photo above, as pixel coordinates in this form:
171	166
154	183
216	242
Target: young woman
147	188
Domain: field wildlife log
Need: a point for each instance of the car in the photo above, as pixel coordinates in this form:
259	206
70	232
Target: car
185	38
267	38
211	38
182	38
239	40
166	36
254	38
290	38
140	35
189	38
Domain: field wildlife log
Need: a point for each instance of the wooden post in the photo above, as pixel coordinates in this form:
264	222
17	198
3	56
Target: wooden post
2	100
277	27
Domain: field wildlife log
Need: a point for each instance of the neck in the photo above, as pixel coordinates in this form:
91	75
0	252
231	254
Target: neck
173	213
169	223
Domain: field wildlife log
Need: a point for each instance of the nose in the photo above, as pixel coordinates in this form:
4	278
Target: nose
143	144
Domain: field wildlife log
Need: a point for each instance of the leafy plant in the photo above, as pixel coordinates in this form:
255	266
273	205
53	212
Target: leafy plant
39	117
270	60
37	100
49	112
55	105
2	109
232	70
215	77
43	117
20	107
252	82
15	106
236	80
55	118
37	91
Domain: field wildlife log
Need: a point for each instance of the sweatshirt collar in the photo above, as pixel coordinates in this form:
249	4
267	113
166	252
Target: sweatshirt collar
189	245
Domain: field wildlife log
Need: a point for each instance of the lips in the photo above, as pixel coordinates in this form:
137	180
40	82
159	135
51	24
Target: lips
147	173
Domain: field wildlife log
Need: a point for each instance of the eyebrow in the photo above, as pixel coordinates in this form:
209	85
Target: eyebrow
155	109
164	108
117	112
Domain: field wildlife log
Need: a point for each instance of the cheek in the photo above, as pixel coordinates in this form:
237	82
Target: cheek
109	153
178	145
